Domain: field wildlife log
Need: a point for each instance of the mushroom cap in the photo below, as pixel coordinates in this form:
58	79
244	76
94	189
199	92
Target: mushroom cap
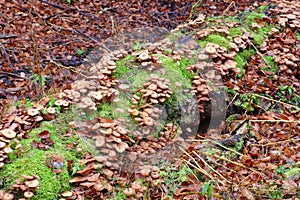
28	194
51	110
8	196
98	95
121	147
100	141
32	184
1	165
67	194
144	55
230	64
2	144
33	111
8	133
148	121
128	192
59	102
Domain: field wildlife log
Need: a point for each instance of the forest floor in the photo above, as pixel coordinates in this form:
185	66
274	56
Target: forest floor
150	99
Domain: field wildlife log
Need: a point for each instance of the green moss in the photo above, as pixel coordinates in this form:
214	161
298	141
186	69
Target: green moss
30	161
298	36
121	68
252	16
105	110
235	31
259	33
241	58
216	39
270	64
262	8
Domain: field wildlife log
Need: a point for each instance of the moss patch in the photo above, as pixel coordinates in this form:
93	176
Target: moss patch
122	68
216	39
241	58
235	31
30	161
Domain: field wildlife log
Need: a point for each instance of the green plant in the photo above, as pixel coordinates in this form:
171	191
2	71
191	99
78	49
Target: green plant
40	79
28	103
298	36
247	102
207	189
79	51
287	94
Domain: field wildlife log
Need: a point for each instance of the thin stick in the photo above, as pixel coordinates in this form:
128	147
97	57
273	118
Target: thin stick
277	101
210	166
223	158
275	143
7	36
274	120
198	167
3	50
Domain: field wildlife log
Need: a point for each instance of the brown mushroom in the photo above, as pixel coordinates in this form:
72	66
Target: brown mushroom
8	196
121	147
128	192
32	184
28	194
8	133
51	110
100	141
2	144
67	194
210	49
32	112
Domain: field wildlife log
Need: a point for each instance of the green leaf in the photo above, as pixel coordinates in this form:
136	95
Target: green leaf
205	188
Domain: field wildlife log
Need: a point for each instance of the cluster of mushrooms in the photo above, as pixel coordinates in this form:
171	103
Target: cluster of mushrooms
289	13
155	90
285	56
90	179
6	135
27	187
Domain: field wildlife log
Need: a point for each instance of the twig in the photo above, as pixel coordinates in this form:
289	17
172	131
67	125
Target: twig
277	101
198	167
7	36
274	120
232	100
210	166
275	143
232	4
230	161
12	74
217	143
3	51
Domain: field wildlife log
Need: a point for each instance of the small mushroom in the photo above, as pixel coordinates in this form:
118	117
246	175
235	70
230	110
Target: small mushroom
8	196
100	141
210	49
121	147
28	194
128	192
2	144
67	194
8	133
32	112
51	110
32	184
